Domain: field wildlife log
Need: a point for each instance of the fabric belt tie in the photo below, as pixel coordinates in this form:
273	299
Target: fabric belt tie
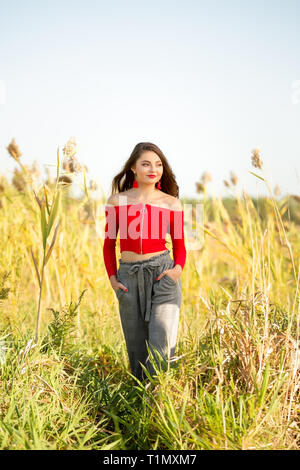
144	287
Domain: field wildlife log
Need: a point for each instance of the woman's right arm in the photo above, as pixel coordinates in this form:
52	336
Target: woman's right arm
110	238
109	245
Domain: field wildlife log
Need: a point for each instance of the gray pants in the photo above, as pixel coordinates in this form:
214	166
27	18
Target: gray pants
149	312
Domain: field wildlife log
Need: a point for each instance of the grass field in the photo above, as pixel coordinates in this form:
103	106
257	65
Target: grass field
65	381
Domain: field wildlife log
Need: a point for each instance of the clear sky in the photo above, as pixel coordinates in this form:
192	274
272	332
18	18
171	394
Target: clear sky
205	81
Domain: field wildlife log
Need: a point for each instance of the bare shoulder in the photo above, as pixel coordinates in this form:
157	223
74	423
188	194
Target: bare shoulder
115	199
174	203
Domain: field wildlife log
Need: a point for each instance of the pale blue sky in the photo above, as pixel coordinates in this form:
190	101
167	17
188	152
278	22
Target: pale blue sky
205	81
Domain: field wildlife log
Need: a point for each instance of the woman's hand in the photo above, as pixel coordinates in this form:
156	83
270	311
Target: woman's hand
116	284
173	273
121	286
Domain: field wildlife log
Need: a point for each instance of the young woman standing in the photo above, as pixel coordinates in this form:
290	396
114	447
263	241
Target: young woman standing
144	205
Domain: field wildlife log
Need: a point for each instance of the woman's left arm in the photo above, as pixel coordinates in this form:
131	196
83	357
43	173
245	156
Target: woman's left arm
178	243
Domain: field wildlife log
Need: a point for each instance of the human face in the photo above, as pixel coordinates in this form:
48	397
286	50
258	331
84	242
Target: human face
148	164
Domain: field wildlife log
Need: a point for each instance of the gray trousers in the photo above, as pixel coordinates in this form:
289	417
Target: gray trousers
149	312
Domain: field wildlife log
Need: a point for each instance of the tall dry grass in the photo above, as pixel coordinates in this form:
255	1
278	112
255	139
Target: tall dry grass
235	384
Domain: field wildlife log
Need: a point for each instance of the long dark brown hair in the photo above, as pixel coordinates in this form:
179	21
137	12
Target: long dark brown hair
124	180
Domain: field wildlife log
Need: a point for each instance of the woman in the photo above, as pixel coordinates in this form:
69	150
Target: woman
144	205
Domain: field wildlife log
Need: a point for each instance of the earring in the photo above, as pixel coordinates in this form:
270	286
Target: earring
158	185
135	183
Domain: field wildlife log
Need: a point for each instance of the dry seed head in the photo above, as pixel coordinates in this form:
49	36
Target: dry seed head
35	170
206	178
14	150
256	160
70	149
3	183
277	191
199	187
233	178
71	165
65	165
93	185
18	180
78	166
226	184
65	179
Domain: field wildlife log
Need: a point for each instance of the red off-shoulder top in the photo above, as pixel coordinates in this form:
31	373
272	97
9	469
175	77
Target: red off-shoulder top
143	228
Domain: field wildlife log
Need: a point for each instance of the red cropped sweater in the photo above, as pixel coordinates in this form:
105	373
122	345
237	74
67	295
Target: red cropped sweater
143	229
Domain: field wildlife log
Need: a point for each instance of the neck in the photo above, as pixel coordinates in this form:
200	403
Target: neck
145	191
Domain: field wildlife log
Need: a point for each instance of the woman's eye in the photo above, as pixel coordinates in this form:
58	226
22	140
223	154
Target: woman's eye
144	164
